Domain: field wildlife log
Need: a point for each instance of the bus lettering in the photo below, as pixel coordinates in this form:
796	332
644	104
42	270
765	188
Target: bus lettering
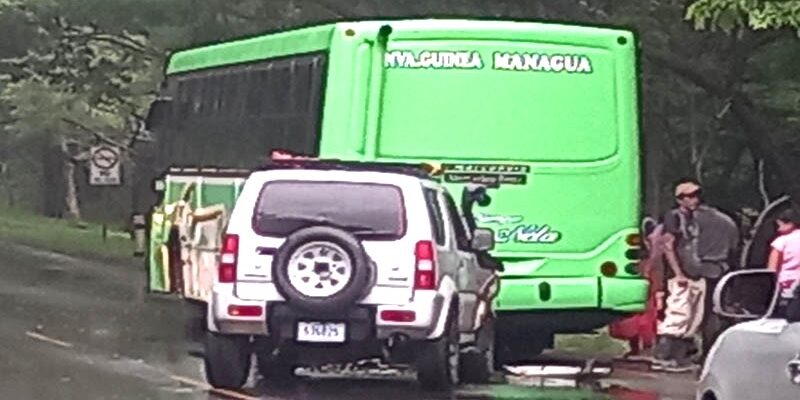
434	59
528	234
542	62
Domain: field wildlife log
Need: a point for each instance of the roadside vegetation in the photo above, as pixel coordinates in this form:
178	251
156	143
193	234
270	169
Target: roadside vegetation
599	346
58	235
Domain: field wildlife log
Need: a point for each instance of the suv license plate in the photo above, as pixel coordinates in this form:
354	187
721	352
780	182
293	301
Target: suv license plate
321	332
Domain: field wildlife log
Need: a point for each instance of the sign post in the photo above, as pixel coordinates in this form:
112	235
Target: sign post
105	166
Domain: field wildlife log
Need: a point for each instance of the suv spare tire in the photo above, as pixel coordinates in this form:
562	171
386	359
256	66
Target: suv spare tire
321	269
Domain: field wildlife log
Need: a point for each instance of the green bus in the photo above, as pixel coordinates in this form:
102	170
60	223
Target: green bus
544	114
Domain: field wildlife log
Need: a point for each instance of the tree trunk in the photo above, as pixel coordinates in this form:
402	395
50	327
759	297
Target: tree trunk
73	208
71	193
655	155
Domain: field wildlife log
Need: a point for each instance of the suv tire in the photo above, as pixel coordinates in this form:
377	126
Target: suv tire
227	360
477	366
355	288
438	360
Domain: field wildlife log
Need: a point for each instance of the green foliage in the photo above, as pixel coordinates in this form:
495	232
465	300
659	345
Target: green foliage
757	14
23	227
41	111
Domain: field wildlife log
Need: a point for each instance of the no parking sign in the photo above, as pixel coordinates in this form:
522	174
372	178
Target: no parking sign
104	166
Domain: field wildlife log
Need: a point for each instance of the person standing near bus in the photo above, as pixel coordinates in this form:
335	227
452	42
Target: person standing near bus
699	246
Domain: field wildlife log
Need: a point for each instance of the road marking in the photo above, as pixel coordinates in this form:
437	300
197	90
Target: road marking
50	340
184	380
205	386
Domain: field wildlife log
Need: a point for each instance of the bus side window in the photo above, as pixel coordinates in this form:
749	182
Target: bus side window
462	236
437	223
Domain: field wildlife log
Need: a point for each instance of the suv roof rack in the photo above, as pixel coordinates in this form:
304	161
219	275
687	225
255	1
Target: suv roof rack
421	170
208	170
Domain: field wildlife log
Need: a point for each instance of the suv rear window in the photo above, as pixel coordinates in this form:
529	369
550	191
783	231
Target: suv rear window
365	209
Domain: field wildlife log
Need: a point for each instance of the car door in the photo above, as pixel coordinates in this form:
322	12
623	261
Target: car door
791	338
786	362
447	262
474	282
758	358
755	358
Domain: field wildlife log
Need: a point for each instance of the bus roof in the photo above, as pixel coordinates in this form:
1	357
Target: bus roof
319	38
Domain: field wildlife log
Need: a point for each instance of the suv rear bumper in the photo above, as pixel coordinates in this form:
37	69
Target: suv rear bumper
277	319
220	320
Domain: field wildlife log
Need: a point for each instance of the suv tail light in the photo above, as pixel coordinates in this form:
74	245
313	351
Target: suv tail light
425	271
228	258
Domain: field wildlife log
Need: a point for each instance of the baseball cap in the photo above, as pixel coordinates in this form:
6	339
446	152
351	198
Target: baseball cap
686	188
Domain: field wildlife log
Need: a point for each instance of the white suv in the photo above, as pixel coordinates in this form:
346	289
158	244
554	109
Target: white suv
330	262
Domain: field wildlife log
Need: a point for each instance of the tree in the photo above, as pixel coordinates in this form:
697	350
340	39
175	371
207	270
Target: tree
760	107
78	85
756	14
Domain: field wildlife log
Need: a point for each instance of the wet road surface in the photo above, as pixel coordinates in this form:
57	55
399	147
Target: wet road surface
79	329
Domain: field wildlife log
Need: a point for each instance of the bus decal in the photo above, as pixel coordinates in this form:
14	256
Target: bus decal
434	59
492	175
542	62
522	232
491	180
528	233
488	168
498	219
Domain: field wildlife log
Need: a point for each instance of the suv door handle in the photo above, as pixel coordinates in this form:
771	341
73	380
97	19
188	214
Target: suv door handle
793	368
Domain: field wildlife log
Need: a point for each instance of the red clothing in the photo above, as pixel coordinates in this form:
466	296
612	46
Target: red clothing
640	329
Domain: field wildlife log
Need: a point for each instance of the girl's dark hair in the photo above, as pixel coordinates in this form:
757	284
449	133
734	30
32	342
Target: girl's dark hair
789	215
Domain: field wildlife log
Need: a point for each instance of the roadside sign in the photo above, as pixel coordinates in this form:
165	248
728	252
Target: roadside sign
104	166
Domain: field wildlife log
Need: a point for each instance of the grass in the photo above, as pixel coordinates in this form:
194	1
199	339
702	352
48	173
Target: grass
599	345
24	227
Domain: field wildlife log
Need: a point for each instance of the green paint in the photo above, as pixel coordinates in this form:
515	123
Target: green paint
259	48
164	218
558	100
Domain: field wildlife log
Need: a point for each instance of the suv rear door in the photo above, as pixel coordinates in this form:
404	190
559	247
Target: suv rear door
375	212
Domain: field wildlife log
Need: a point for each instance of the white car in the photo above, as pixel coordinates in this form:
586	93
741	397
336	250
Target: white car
330	262
759	358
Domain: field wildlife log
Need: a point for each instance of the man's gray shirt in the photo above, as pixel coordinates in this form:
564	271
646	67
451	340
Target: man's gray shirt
705	240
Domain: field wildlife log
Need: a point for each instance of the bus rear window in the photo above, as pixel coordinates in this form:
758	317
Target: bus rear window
493	113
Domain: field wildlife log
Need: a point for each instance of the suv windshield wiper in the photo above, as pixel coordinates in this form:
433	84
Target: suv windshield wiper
318	219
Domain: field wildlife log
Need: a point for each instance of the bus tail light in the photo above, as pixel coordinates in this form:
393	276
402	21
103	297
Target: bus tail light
634	240
608	269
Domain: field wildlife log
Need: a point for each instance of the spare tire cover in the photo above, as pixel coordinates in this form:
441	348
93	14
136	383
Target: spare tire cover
321	269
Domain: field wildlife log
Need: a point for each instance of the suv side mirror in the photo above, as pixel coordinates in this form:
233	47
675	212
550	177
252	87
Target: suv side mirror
482	239
748	294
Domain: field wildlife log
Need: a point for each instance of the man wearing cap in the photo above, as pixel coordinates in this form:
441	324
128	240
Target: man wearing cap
699	246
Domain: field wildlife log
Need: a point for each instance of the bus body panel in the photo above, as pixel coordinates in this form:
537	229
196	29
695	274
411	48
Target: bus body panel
186	231
575	133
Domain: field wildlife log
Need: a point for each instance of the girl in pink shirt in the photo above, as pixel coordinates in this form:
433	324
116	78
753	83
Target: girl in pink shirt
784	257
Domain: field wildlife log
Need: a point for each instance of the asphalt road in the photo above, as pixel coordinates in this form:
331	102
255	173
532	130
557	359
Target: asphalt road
79	329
